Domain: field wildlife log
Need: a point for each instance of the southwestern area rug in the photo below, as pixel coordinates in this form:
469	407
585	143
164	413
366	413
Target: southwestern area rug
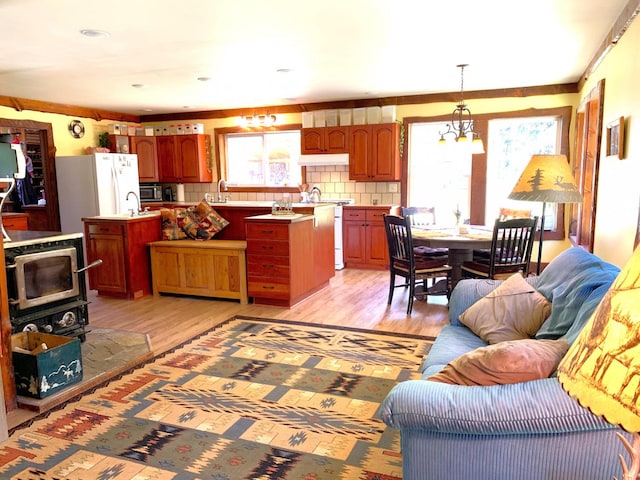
251	398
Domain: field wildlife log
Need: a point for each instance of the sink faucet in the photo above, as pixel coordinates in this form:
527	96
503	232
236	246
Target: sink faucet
221	184
315	195
133	212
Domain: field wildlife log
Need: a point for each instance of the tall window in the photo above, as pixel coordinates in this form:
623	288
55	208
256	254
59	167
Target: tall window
511	143
439	176
267	159
479	184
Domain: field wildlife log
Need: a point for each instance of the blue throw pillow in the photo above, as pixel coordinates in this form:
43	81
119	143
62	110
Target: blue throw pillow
575	282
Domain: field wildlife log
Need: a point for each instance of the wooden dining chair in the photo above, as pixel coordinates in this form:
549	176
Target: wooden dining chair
404	263
511	247
482	255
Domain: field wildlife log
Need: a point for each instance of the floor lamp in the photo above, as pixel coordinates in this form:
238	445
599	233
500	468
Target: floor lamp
602	367
546	179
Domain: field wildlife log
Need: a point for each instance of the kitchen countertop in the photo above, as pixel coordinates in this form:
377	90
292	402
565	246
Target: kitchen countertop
126	216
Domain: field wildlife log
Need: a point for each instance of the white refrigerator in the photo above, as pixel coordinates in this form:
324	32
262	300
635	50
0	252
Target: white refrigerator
95	185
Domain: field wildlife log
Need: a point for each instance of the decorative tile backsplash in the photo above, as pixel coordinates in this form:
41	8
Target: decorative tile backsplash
333	182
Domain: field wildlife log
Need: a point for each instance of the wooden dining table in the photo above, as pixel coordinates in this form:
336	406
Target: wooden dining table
460	245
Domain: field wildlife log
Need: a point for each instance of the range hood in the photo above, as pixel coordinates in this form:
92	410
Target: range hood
324	159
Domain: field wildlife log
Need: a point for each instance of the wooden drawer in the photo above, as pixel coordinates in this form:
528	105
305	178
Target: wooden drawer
267	247
271	231
375	216
269	289
349	215
265	266
105	228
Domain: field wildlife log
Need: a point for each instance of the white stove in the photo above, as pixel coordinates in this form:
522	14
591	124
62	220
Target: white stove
339	202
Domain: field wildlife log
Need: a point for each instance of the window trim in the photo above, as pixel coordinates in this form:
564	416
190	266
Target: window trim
479	164
220	156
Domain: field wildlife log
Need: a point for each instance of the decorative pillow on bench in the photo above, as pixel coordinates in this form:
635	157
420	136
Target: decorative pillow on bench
199	223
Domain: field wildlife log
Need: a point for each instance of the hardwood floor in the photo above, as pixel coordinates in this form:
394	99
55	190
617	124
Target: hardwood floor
355	298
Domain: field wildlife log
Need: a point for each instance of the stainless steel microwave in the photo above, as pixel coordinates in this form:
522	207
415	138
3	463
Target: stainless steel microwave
150	193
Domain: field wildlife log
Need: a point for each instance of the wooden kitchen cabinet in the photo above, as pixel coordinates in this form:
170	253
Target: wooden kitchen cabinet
121	244
184	158
280	259
145	148
364	237
324	140
374	152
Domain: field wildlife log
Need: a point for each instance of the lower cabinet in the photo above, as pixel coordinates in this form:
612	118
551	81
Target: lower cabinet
280	260
364	237
121	244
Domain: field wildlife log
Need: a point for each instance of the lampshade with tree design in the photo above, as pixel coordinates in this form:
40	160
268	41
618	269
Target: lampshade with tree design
602	368
546	178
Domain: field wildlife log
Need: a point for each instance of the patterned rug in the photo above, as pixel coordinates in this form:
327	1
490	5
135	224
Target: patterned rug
250	399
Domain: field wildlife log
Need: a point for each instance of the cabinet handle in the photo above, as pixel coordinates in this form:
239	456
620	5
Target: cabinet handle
268	287
267	247
267	231
268	265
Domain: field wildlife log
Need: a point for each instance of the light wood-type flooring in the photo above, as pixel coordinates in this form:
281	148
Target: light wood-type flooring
354	298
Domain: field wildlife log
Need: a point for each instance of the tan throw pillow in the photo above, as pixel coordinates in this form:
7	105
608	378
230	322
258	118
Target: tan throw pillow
514	310
203	222
504	363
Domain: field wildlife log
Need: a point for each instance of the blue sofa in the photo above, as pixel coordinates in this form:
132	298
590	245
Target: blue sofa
526	431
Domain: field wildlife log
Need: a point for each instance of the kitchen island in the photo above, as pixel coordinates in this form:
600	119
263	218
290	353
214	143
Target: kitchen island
304	261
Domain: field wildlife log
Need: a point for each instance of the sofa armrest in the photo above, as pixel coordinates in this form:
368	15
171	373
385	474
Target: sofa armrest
536	407
468	291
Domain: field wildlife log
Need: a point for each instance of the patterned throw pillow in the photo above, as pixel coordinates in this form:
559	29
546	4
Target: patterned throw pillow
203	222
172	223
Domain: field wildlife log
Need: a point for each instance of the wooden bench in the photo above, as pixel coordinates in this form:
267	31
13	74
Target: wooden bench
209	268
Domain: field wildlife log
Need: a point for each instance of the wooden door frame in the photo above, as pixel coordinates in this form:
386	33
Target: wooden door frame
49	165
586	167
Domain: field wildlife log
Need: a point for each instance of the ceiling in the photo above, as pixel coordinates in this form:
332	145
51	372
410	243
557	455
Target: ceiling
263	53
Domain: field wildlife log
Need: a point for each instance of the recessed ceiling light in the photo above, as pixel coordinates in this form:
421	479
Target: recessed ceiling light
284	70
138	85
204	79
91	33
147	109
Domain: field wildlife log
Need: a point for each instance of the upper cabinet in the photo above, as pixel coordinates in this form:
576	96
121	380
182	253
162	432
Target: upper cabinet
324	140
184	158
145	148
374	152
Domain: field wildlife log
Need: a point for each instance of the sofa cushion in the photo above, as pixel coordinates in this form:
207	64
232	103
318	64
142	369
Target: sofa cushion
514	310
508	362
452	342
575	282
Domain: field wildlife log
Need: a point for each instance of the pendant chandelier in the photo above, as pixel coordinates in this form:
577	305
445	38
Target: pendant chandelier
461	126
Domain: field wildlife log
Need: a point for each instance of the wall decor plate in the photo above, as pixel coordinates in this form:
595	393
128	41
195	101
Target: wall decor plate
76	128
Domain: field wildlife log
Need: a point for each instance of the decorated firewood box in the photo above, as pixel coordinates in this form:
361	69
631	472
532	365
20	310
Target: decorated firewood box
44	364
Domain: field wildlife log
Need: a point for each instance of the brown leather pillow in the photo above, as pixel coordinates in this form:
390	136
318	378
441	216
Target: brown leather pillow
504	363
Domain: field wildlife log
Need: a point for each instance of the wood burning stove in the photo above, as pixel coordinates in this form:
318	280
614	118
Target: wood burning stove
46	283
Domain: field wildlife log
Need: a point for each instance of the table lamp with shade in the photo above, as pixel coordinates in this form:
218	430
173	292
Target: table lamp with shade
602	368
546	178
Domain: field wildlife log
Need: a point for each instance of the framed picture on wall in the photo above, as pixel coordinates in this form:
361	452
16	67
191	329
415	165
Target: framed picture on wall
615	138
